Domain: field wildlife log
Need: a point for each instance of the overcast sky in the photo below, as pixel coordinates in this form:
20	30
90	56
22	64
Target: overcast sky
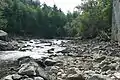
65	5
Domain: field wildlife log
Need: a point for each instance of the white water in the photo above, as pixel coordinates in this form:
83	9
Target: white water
37	49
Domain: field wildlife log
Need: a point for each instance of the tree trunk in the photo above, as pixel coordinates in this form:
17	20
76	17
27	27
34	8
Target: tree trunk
116	20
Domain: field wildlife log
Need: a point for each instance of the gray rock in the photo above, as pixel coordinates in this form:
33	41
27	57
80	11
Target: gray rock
40	62
100	59
117	75
98	77
113	66
71	71
90	72
16	77
50	62
25	59
38	78
75	77
6	46
27	69
54	69
3	35
104	62
9	77
106	67
31	68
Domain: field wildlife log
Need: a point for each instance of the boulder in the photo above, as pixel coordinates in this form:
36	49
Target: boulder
3	35
117	75
9	77
30	68
25	59
16	77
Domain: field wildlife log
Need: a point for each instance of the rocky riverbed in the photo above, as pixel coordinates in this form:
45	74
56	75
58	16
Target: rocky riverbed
39	59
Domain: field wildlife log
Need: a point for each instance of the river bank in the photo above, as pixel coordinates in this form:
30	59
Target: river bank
74	59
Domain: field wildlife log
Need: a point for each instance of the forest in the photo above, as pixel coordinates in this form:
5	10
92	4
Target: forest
29	17
42	42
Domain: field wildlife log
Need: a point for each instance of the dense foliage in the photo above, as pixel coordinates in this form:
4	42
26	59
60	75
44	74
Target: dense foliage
30	17
94	19
27	17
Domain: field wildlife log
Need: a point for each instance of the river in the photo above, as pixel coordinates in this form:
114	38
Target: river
35	48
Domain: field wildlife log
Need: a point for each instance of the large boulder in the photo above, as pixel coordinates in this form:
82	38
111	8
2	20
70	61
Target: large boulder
3	35
30	68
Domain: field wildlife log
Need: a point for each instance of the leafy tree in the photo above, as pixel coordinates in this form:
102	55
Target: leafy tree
94	18
3	21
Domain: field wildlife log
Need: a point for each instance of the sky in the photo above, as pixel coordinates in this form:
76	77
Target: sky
65	5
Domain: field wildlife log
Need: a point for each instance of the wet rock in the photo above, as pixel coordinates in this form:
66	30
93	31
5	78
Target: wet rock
75	77
50	62
38	78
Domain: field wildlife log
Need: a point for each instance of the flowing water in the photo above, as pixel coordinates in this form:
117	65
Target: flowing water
35	48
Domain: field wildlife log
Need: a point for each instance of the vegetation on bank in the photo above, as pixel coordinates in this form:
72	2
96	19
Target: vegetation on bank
30	17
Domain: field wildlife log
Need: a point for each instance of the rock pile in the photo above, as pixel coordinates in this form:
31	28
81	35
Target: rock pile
92	60
5	44
28	70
